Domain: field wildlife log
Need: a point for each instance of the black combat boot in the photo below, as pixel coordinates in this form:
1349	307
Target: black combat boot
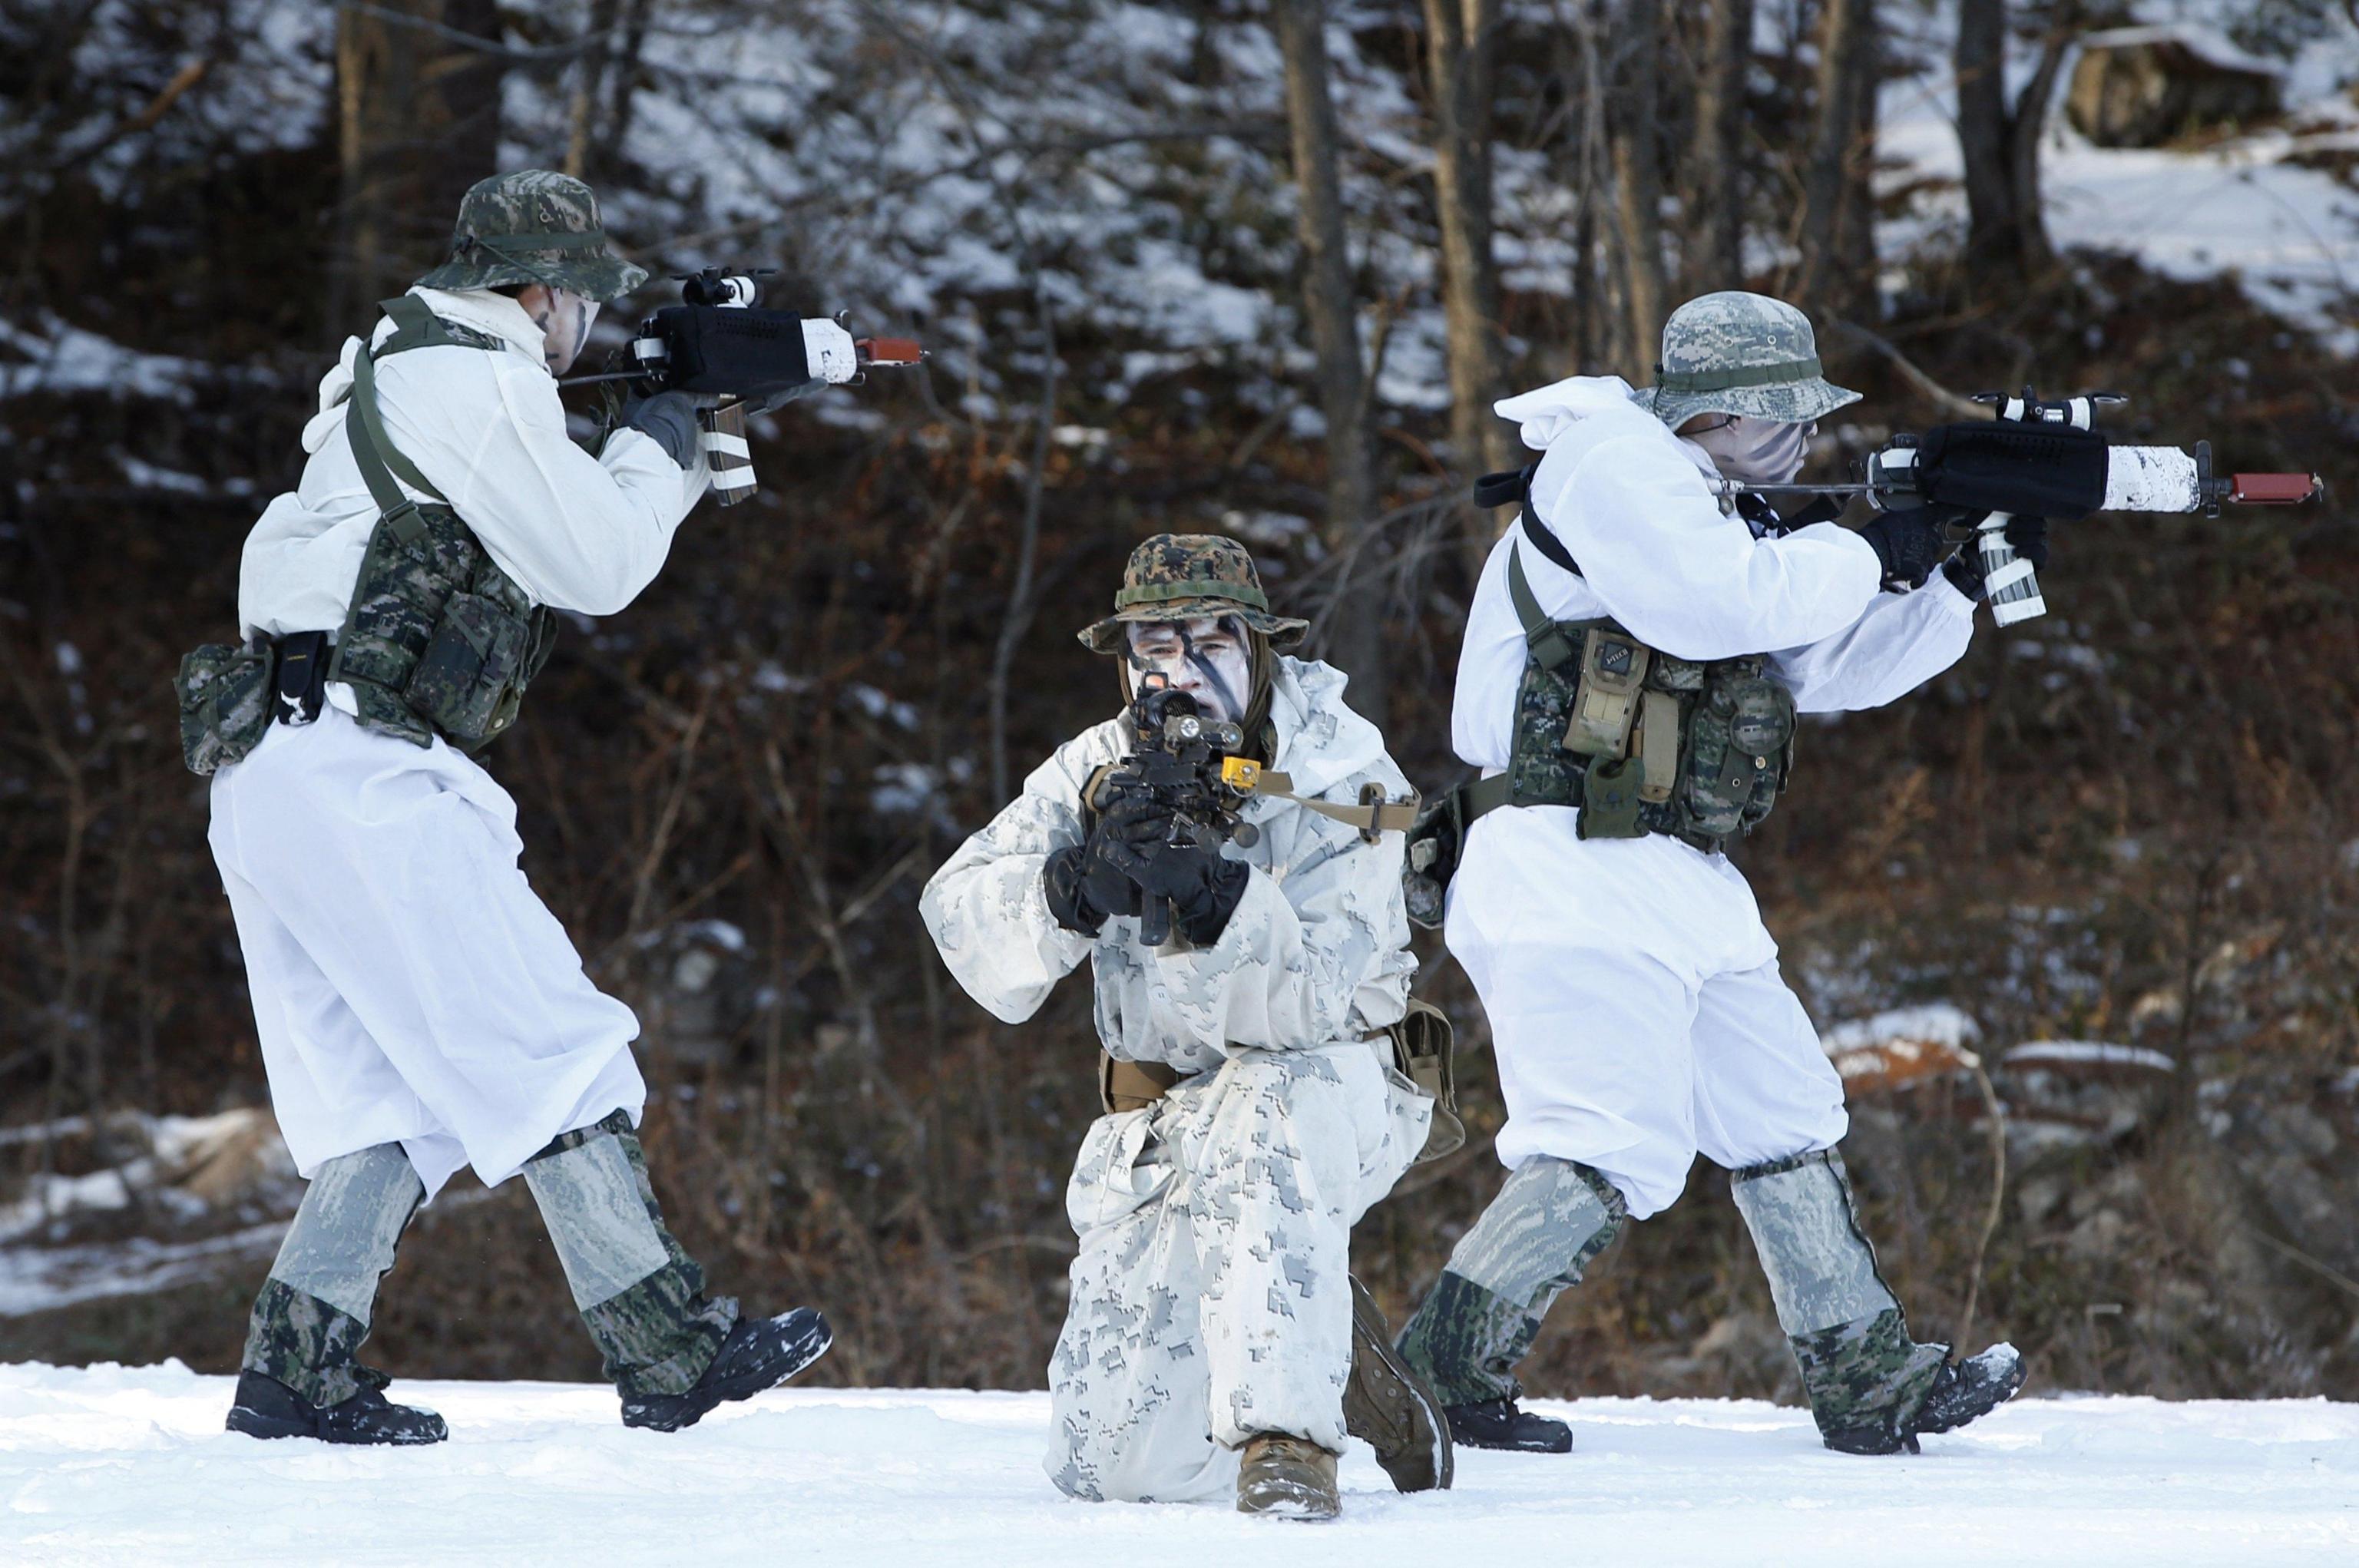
1390	1408
1502	1423
760	1352
1962	1391
265	1406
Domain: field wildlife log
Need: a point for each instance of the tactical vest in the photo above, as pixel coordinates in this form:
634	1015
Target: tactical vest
438	639
1641	741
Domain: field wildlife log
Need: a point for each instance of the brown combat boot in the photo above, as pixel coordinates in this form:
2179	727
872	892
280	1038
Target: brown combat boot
1286	1477
1389	1407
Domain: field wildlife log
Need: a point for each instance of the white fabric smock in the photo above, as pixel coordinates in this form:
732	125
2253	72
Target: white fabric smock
409	986
1210	1297
1631	989
487	428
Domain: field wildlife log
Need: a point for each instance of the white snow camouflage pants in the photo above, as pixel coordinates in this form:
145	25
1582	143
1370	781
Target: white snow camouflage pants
1211	1299
408	984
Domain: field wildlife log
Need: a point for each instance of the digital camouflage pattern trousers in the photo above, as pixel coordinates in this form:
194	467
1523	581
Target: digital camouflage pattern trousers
1554	1216
641	1294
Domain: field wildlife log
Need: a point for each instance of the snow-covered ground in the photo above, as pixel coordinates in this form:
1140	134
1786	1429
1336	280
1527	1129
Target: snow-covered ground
112	1464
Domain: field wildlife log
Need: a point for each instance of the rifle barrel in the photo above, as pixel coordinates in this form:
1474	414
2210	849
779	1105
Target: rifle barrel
1733	487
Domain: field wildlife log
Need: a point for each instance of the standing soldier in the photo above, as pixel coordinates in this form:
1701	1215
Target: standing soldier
1252	1110
419	1008
1634	658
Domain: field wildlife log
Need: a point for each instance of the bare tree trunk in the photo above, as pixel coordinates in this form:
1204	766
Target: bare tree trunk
1715	259
1459	43
418	123
2007	232
1857	223
1838	221
622	87
589	78
1580	63
1354	633
1639	175
1985	134
2030	125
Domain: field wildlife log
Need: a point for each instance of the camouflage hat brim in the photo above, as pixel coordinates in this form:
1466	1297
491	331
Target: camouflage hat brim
1789	402
1110	635
596	274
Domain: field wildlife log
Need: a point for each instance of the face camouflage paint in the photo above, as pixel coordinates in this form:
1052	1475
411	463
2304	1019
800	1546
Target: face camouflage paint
1206	658
564	319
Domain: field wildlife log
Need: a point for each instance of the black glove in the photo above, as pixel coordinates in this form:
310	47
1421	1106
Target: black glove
1089	882
2029	535
1203	886
670	418
1911	544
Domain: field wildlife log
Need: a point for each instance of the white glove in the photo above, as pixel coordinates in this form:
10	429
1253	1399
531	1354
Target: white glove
827	349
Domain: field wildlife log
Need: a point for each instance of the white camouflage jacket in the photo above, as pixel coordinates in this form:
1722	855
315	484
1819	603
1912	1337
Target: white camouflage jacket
1316	953
1629	499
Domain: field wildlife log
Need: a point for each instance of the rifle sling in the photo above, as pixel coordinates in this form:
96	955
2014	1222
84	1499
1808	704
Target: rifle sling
1371	817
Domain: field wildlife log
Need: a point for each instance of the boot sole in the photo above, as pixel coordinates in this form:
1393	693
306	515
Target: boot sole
701	1402
1314	1510
1407	1430
1553	1445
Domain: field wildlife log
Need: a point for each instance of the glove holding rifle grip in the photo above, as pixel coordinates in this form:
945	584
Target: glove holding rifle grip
1090	882
1909	544
1201	885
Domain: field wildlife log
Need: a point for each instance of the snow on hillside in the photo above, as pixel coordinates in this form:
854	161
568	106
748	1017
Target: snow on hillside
110	1465
2248	205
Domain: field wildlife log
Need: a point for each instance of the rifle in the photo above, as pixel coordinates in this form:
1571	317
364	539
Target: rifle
2044	459
1185	761
719	343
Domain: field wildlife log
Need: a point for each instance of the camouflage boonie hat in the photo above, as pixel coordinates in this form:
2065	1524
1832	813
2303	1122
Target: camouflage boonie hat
1742	353
1178	577
533	226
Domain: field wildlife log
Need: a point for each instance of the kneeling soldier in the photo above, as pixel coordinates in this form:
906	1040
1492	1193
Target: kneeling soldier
1253	1111
419	1008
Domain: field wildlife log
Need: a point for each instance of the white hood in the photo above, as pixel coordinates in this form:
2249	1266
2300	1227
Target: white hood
1321	742
1549	411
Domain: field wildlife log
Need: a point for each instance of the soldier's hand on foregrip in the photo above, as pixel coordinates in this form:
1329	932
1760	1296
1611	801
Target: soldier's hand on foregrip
829	351
670	418
2028	538
1909	544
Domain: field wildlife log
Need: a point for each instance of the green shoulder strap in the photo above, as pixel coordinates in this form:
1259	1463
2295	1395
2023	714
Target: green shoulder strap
380	461
1545	638
416	326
